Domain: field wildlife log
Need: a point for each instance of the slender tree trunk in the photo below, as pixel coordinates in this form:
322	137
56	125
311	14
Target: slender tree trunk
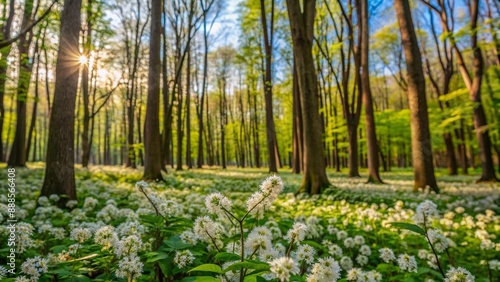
188	112
272	148
298	142
302	26
152	161
85	89
35	102
421	143
371	135
5	35
200	161
480	121
3	79
59	171
180	133
17	157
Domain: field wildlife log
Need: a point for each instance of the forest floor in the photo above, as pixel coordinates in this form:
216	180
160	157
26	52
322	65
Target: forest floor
349	222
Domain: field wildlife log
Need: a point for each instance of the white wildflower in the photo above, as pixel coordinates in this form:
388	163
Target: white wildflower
217	203
387	255
407	262
183	258
129	267
297	233
305	253
325	270
282	268
425	212
80	234
205	229
458	274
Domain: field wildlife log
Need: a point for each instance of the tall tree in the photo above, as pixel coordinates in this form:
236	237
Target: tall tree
18	154
152	152
302	26
268	30
4	52
60	171
371	135
423	166
85	86
473	83
446	68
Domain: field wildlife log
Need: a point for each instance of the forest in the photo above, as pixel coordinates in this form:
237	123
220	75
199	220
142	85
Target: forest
250	140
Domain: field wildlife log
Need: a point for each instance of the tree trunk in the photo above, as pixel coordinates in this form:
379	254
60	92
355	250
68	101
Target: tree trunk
180	133
480	122
17	157
199	163
451	159
272	148
371	135
423	167
85	89
152	156
5	35
302	26
353	158
35	102
59	171
298	137
188	112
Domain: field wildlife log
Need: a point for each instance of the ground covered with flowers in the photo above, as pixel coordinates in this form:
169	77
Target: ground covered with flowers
245	225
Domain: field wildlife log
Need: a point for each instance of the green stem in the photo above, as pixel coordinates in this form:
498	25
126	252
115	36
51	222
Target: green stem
433	250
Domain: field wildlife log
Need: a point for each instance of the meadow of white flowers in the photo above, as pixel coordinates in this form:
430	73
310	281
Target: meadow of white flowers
222	227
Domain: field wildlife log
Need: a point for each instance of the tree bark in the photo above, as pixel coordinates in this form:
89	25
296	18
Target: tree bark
272	147
152	156
298	137
85	89
59	171
35	102
189	161
17	157
302	26
5	35
371	135
480	121
423	167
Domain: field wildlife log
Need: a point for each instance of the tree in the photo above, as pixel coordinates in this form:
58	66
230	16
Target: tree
60	171
302	27
351	103
473	82
423	166
4	52
152	152
371	135
268	30
18	154
207	27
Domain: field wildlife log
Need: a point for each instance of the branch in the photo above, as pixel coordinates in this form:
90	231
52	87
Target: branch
428	4
8	42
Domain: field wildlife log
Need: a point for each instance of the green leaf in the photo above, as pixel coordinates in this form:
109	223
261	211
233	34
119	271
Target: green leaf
257	265
175	243
408	226
200	279
157	257
313	244
227	257
208	267
254	278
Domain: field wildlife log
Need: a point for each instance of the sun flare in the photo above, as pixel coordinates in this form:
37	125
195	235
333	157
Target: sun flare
82	59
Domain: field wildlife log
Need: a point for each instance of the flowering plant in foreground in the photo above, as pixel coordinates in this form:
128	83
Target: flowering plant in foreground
181	229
